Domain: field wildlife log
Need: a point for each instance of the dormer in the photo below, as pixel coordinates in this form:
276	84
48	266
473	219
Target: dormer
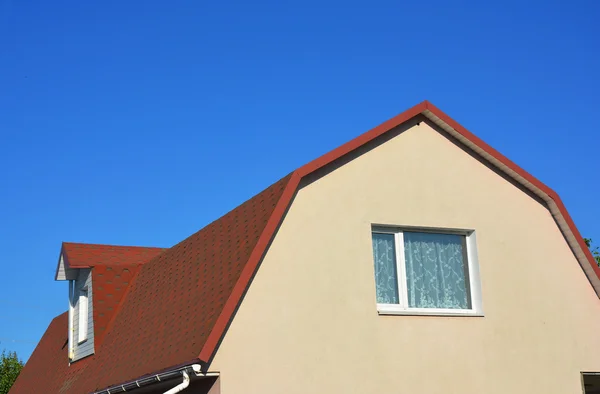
81	307
98	276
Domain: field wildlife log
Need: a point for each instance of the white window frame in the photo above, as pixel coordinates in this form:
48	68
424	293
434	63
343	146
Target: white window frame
83	307
402	307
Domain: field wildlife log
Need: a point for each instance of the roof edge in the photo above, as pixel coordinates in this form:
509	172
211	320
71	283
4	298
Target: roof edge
243	282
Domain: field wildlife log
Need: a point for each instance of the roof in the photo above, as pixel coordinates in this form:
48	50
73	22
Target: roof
47	367
79	255
114	267
110	284
172	304
180	304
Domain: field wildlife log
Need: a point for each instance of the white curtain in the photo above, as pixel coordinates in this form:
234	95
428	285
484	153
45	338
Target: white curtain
436	271
386	277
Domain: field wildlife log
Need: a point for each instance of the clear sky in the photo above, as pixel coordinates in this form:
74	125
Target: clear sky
137	123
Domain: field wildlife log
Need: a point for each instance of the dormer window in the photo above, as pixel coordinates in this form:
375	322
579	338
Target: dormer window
83	315
81	341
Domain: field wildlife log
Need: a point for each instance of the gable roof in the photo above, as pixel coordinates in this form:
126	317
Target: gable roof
180	304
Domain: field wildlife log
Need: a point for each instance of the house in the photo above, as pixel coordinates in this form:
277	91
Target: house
414	258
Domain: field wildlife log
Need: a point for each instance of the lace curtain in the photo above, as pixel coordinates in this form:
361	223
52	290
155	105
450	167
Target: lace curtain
386	277
436	271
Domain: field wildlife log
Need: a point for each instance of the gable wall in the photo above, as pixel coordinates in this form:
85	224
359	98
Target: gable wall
308	323
60	270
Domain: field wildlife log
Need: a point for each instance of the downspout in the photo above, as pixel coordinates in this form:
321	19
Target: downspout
186	380
181	386
71	291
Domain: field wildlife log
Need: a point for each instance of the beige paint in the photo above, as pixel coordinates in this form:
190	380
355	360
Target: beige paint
309	324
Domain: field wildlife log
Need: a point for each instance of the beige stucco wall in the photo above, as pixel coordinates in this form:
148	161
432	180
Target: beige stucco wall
309	323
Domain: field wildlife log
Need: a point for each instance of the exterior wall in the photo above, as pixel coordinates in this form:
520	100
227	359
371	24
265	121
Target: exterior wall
308	323
80	350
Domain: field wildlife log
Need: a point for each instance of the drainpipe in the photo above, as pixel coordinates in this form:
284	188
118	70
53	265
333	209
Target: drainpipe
71	290
186	380
181	386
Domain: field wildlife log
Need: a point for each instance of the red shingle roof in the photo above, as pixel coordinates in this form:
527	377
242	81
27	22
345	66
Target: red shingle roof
110	283
180	303
175	299
169	309
80	255
48	370
114	267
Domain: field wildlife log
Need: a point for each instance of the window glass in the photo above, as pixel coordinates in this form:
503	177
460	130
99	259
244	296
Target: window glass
83	315
386	276
436	271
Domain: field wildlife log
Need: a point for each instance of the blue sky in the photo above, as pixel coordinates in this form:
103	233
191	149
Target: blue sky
139	122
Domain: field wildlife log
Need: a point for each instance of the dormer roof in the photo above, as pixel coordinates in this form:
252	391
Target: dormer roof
75	255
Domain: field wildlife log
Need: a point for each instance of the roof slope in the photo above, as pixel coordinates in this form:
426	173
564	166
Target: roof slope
110	284
180	304
176	299
47	370
113	269
168	311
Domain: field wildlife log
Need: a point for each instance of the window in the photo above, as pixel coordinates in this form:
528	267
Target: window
426	272
83	315
591	382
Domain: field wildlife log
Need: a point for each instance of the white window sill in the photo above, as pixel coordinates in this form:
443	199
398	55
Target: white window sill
385	309
82	341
